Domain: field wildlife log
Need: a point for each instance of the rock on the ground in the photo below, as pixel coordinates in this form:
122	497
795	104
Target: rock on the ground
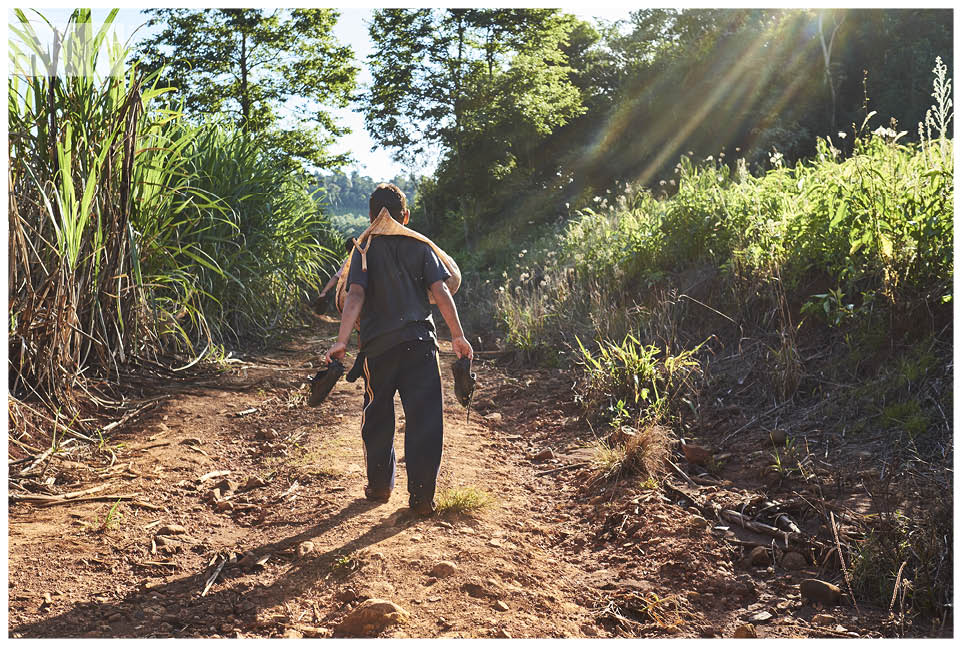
819	591
172	529
493	417
227	486
695	454
478	591
778	436
443	569
823	619
254	482
543	455
759	556
794	561
761	617
370	617
745	631
501	606
223	505
346	596
305	548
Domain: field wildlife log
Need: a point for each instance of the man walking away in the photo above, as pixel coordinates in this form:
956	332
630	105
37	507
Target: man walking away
390	287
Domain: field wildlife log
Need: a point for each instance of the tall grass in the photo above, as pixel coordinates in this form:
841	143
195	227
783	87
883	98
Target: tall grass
133	234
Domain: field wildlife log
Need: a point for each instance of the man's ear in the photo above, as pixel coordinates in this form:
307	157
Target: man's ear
407	217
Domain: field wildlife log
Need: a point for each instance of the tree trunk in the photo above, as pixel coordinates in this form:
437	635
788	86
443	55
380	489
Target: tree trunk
827	57
245	97
458	131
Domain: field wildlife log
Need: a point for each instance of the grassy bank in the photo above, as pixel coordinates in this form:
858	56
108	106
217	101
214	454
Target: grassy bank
822	290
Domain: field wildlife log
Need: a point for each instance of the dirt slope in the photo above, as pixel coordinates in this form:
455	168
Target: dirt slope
299	552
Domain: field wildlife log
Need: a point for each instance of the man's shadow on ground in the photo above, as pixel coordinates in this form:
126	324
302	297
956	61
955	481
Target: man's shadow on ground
183	595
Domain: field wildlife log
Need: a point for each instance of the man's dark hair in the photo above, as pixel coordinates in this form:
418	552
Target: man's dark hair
348	244
390	196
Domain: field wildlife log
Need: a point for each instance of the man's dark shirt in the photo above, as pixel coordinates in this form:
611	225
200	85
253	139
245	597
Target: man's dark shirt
396	308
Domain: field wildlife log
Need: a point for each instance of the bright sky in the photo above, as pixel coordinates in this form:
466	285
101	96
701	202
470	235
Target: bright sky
352	30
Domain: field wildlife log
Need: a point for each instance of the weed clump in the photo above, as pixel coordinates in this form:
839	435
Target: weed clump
463	501
629	452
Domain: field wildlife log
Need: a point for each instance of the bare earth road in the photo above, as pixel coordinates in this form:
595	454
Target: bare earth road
233	485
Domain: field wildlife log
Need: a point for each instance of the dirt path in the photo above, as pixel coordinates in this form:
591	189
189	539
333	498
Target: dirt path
298	548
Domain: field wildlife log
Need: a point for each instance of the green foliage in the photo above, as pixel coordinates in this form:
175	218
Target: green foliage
486	86
246	64
629	374
134	234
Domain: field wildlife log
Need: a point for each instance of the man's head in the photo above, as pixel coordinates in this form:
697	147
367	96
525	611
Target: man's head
390	196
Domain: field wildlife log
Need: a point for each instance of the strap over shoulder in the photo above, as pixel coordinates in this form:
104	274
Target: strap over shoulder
385	224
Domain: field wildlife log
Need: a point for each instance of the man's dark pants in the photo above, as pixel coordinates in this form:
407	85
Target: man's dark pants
412	370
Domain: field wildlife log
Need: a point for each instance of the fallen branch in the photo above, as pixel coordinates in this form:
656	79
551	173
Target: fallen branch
213	577
753	421
561	469
59	497
42	457
105	497
681	472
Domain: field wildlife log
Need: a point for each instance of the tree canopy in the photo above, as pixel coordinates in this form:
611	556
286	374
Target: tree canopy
275	73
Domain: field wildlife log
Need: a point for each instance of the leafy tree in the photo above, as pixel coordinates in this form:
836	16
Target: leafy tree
484	85
246	64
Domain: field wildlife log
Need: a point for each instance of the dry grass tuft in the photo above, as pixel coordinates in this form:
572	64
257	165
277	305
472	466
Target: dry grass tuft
463	501
632	452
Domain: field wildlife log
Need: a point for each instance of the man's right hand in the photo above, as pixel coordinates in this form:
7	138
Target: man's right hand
462	348
337	351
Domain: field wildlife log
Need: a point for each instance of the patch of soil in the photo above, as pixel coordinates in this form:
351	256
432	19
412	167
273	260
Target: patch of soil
241	514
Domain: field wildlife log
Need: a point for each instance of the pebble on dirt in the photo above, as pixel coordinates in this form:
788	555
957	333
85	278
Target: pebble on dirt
172	529
346	596
501	606
745	631
794	561
493	417
695	455
759	556
543	455
254	482
443	569
370	617
305	548
819	591
823	619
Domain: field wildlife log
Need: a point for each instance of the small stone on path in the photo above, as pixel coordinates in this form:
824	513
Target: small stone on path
823	619
493	417
745	631
779	436
443	569
759	556
761	617
370	617
543	455
172	529
305	548
501	606
254	482
346	596
819	591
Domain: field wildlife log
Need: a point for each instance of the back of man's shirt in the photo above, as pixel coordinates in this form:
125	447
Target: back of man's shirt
396	307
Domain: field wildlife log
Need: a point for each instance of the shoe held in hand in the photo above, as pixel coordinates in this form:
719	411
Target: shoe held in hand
323	382
463	380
